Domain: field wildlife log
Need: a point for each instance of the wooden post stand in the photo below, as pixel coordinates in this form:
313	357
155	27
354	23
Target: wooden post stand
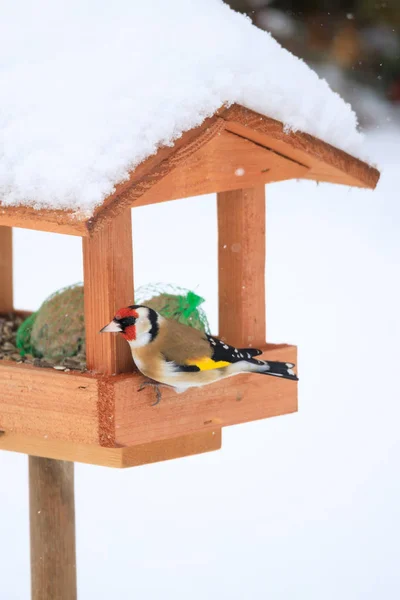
52	525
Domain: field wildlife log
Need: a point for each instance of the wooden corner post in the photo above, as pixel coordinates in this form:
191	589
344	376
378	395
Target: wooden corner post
6	280
241	257
108	279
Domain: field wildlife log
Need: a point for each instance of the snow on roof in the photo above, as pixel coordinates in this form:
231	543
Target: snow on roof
89	89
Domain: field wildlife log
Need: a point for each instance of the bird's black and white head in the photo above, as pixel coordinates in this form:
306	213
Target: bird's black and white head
138	324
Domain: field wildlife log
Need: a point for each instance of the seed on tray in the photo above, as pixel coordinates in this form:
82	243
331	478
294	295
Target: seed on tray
9	325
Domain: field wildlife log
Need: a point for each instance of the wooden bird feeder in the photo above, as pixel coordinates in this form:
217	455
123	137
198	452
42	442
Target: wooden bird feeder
98	416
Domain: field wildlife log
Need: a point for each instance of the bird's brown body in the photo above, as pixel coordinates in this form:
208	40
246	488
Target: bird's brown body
174	344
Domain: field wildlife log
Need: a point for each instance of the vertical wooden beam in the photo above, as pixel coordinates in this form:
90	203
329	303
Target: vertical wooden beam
6	280
108	279
52	525
241	255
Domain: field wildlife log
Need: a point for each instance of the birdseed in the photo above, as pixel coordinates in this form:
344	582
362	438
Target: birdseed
9	325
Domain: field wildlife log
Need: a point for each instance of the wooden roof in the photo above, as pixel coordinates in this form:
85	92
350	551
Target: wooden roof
235	148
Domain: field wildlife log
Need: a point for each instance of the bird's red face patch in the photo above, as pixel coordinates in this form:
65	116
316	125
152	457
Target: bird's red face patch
129	333
126	317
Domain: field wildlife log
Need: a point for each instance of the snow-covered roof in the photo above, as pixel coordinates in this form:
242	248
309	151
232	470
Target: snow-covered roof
90	89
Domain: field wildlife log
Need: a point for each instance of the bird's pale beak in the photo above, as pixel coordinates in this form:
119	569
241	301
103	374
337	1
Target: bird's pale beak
112	327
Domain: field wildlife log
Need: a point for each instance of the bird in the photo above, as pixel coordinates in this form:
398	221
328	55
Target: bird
175	355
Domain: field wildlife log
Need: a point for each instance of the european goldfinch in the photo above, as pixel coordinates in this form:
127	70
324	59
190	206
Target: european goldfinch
180	356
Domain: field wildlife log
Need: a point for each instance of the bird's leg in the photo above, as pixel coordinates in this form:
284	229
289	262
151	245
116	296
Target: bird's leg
156	386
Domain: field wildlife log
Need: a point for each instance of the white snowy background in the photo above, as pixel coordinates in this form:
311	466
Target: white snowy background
297	507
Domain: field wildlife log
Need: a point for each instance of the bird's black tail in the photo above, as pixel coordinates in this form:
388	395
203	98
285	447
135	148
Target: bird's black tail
276	369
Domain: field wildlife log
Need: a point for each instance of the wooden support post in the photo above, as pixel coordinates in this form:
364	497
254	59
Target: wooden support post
108	277
241	255
6	281
52	525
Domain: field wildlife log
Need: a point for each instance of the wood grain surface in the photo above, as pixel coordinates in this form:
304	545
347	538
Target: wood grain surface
69	407
47	403
226	162
108	281
123	457
324	162
235	400
6	265
52	529
241	266
314	158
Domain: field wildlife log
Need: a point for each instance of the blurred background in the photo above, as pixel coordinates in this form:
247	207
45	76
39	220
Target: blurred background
353	44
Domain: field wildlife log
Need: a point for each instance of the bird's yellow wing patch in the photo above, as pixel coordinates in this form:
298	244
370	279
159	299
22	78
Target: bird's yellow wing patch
206	363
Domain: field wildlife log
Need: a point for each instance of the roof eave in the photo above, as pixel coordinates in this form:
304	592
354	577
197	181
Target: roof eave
321	162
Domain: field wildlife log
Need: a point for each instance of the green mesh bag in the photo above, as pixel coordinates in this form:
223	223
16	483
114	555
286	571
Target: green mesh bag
58	330
23	337
173	302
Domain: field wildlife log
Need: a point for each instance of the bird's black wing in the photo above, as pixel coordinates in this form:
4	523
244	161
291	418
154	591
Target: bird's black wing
225	352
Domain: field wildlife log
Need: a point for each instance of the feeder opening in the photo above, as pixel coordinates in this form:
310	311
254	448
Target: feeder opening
54	336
